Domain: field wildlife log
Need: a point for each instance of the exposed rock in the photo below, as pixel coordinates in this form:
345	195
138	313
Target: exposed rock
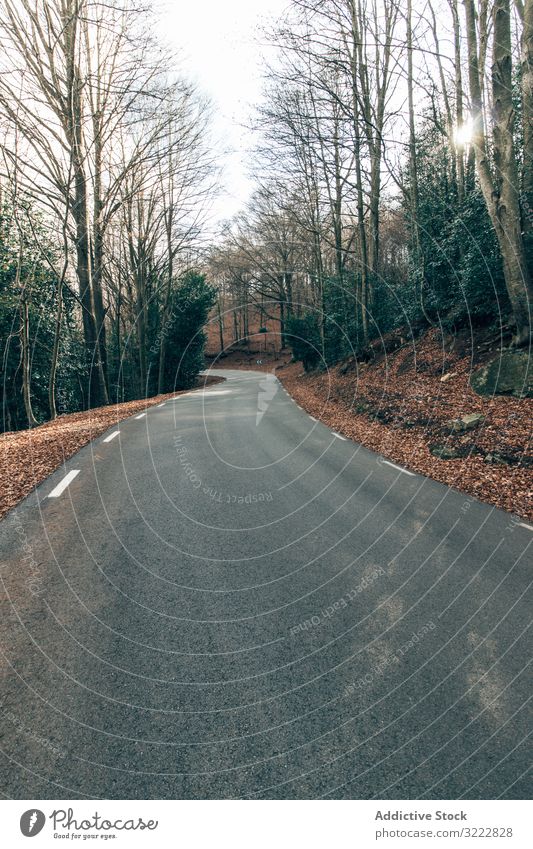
444	452
472	420
466	423
511	373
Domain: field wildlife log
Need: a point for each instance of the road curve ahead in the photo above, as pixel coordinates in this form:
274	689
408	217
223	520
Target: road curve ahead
227	600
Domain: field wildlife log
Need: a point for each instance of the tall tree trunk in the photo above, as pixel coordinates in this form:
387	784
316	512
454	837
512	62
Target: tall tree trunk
459	112
55	351
374	209
337	206
98	260
220	323
165	315
362	277
527	123
58	322
74	129
413	168
26	358
501	193
118	343
26	364
95	104
97	390
287	288
140	284
282	324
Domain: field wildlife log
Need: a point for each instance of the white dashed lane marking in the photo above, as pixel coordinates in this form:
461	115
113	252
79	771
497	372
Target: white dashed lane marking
112	436
398	468
339	436
61	487
524	525
141	416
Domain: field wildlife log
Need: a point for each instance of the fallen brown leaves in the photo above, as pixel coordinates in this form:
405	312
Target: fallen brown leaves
27	457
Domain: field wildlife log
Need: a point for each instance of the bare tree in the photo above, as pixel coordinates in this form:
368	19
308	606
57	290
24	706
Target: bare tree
526	14
501	189
41	92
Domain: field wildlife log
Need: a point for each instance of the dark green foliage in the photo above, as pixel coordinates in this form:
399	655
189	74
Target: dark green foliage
458	278
36	284
191	301
389	309
340	331
479	284
303	337
12	406
185	338
72	380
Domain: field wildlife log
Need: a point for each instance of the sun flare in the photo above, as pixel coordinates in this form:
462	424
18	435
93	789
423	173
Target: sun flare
463	133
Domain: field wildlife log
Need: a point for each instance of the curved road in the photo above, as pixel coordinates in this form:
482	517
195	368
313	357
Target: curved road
228	600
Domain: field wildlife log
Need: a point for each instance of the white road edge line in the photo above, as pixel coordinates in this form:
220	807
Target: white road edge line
61	487
524	525
399	468
111	436
339	436
141	416
312	418
161	405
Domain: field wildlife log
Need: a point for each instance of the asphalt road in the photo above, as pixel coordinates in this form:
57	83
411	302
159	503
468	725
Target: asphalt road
229	601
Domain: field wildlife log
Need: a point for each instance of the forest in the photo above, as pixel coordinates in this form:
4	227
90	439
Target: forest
393	187
393	177
105	175
266	499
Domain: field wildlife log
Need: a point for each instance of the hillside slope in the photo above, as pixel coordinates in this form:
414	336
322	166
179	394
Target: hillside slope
402	404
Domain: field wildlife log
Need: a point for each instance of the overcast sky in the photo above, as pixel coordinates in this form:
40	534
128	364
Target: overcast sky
218	40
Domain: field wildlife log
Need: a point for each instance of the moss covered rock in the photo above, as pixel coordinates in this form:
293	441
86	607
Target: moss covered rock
444	452
469	422
511	373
